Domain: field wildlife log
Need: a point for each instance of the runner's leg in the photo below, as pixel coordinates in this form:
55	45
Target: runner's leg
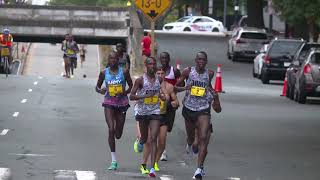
203	124
154	131
109	114
120	120
161	141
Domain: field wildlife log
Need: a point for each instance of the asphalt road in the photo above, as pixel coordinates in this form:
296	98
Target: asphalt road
258	136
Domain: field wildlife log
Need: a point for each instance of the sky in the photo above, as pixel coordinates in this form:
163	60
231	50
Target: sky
39	2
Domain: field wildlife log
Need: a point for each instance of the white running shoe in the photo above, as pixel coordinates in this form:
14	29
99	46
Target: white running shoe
198	174
164	156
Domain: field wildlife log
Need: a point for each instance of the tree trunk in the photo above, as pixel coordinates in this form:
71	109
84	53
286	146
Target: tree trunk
255	13
311	26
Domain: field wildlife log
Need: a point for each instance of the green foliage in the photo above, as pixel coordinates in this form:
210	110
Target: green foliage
108	3
296	11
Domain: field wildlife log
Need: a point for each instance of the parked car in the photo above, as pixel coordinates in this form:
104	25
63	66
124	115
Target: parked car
245	43
278	58
308	77
195	24
295	66
258	61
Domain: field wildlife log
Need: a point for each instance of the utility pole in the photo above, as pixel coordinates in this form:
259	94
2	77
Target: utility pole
225	13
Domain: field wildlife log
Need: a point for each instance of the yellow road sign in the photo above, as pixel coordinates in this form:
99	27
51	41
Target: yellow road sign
153	8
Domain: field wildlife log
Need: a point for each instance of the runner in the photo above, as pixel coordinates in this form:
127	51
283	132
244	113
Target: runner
65	57
115	102
83	52
171	76
124	59
147	91
196	106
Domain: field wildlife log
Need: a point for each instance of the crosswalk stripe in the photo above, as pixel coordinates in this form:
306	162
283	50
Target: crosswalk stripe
74	175
86	175
5	174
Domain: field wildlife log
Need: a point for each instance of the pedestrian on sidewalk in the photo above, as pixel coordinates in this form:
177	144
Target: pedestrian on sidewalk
116	102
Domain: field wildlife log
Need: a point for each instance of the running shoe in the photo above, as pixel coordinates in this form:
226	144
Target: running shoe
144	169
198	174
138	148
152	173
164	156
156	167
113	166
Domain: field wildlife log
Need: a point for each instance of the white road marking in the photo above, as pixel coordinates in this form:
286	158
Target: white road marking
233	178
5	174
4	132
86	175
15	114
40	77
182	163
61	74
166	177
23	101
29	90
35	83
31	155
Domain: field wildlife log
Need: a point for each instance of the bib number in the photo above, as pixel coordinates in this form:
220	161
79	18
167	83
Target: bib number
5	52
115	89
197	91
151	100
70	51
163	107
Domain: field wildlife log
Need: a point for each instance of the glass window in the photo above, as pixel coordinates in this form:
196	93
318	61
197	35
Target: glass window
250	35
315	59
282	48
184	19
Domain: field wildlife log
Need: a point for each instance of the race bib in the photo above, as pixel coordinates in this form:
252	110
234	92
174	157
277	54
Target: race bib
151	100
163	107
70	51
197	91
5	52
115	89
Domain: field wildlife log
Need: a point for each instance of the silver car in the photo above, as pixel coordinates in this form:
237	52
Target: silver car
246	42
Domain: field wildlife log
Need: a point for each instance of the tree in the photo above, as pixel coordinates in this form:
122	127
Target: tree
89	2
255	13
297	12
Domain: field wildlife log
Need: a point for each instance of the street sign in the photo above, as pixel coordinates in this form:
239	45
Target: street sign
153	9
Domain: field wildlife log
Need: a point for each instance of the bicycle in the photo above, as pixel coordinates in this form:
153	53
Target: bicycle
5	56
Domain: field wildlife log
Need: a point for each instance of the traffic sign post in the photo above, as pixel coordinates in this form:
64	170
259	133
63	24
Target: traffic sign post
153	9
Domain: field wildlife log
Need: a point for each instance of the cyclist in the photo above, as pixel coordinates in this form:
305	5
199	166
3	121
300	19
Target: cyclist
6	41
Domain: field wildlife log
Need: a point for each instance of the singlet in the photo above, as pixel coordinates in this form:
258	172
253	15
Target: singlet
115	84
151	105
70	48
171	78
196	99
123	60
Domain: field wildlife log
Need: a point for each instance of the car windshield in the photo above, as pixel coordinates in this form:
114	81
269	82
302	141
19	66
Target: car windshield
315	59
251	35
280	48
184	19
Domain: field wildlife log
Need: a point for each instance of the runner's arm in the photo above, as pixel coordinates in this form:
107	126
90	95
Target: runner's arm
180	85
211	75
128	63
100	82
173	96
216	106
137	85
128	80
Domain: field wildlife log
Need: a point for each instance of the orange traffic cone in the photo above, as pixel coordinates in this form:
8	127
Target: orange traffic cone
178	64
218	83
284	89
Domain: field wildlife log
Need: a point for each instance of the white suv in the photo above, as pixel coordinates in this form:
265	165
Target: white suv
246	42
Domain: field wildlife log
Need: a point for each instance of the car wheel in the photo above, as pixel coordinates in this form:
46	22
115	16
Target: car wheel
264	78
228	55
215	30
302	98
186	29
253	73
233	57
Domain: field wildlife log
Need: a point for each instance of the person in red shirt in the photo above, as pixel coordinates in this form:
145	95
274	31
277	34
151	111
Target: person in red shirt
6	41
146	45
